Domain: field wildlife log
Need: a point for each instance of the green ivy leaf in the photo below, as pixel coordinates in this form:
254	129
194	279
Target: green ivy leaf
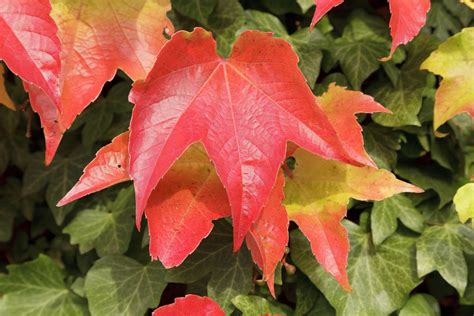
251	305
382	145
443	23
231	274
381	278
198	10
441	248
118	285
385	214
38	288
58	178
107	228
309	301
421	304
405	98
362	44
430	177
468	298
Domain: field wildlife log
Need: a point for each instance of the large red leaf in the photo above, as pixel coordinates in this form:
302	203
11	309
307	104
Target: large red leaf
29	44
341	105
98	37
109	167
190	305
243	109
316	198
181	209
268	236
408	17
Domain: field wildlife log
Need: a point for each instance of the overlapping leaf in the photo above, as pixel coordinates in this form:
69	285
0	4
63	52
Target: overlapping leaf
408	17
316	198
243	109
190	304
97	38
29	44
453	61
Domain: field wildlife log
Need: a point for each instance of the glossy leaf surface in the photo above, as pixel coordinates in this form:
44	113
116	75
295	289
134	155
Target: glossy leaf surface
243	109
316	198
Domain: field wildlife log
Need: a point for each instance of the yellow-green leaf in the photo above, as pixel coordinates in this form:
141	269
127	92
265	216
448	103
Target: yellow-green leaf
464	201
453	60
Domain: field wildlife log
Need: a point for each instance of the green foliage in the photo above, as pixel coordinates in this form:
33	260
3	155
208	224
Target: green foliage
410	254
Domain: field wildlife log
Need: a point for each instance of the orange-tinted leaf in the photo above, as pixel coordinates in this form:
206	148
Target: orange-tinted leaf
316	198
268	236
29	44
341	105
98	37
243	109
190	305
4	97
408	17
181	209
109	167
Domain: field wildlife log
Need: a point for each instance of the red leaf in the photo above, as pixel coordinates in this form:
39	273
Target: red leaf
29	44
181	209
99	37
341	105
408	17
323	7
243	109
268	236
190	305
109	167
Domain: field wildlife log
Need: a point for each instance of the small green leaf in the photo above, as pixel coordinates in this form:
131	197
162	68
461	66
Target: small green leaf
464	201
361	46
405	98
118	285
107	228
382	145
421	304
58	178
37	288
385	214
441	248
